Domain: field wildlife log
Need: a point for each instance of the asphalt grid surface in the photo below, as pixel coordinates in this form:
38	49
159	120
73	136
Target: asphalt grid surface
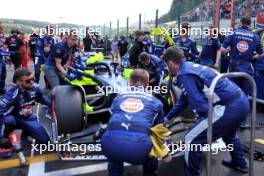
98	168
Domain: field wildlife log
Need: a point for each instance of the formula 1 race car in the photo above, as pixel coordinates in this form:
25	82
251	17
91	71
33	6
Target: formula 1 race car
80	109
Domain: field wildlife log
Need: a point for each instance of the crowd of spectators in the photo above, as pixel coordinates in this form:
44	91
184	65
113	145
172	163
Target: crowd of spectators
206	10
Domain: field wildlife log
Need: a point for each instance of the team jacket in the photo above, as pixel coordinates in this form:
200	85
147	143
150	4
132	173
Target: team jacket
44	46
136	107
19	102
194	80
188	46
60	51
243	44
154	68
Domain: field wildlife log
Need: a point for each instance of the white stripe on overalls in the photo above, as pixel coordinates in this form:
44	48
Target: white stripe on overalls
218	112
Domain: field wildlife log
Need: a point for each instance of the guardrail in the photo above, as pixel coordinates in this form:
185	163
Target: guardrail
253	117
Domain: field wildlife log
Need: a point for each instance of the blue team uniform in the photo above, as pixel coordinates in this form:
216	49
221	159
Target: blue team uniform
188	46
127	137
2	66
209	51
154	68
148	45
3	69
15	105
243	44
194	80
60	51
44	46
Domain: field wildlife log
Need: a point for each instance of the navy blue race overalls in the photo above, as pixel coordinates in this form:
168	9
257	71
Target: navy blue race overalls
127	136
2	66
209	51
14	43
243	44
44	46
188	47
60	51
15	107
195	80
154	68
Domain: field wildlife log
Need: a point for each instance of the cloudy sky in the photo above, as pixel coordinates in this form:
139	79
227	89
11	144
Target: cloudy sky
84	12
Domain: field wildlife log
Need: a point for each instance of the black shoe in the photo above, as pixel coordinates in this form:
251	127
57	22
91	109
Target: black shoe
231	165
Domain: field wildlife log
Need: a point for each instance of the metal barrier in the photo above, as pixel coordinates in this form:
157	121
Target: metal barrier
253	118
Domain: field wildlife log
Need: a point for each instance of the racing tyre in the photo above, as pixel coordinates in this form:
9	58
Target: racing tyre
68	109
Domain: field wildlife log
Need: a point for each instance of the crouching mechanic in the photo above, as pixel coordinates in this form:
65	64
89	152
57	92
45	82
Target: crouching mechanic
194	80
127	139
153	65
16	107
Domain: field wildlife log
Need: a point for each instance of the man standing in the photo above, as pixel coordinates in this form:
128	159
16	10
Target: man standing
2	62
24	51
186	43
211	53
243	44
122	46
60	54
88	41
194	80
136	49
14	43
32	45
44	47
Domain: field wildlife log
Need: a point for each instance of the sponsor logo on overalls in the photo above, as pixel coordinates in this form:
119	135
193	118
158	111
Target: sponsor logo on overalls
242	46
132	105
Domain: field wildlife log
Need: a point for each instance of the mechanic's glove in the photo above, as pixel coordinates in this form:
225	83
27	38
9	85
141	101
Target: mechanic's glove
70	76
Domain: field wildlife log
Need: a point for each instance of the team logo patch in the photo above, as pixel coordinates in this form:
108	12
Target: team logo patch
242	46
132	105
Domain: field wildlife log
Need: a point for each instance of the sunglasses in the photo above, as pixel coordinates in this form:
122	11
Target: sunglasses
29	80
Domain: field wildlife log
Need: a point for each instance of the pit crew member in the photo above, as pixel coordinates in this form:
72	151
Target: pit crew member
194	80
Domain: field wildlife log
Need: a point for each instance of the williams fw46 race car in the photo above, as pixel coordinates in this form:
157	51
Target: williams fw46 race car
80	109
